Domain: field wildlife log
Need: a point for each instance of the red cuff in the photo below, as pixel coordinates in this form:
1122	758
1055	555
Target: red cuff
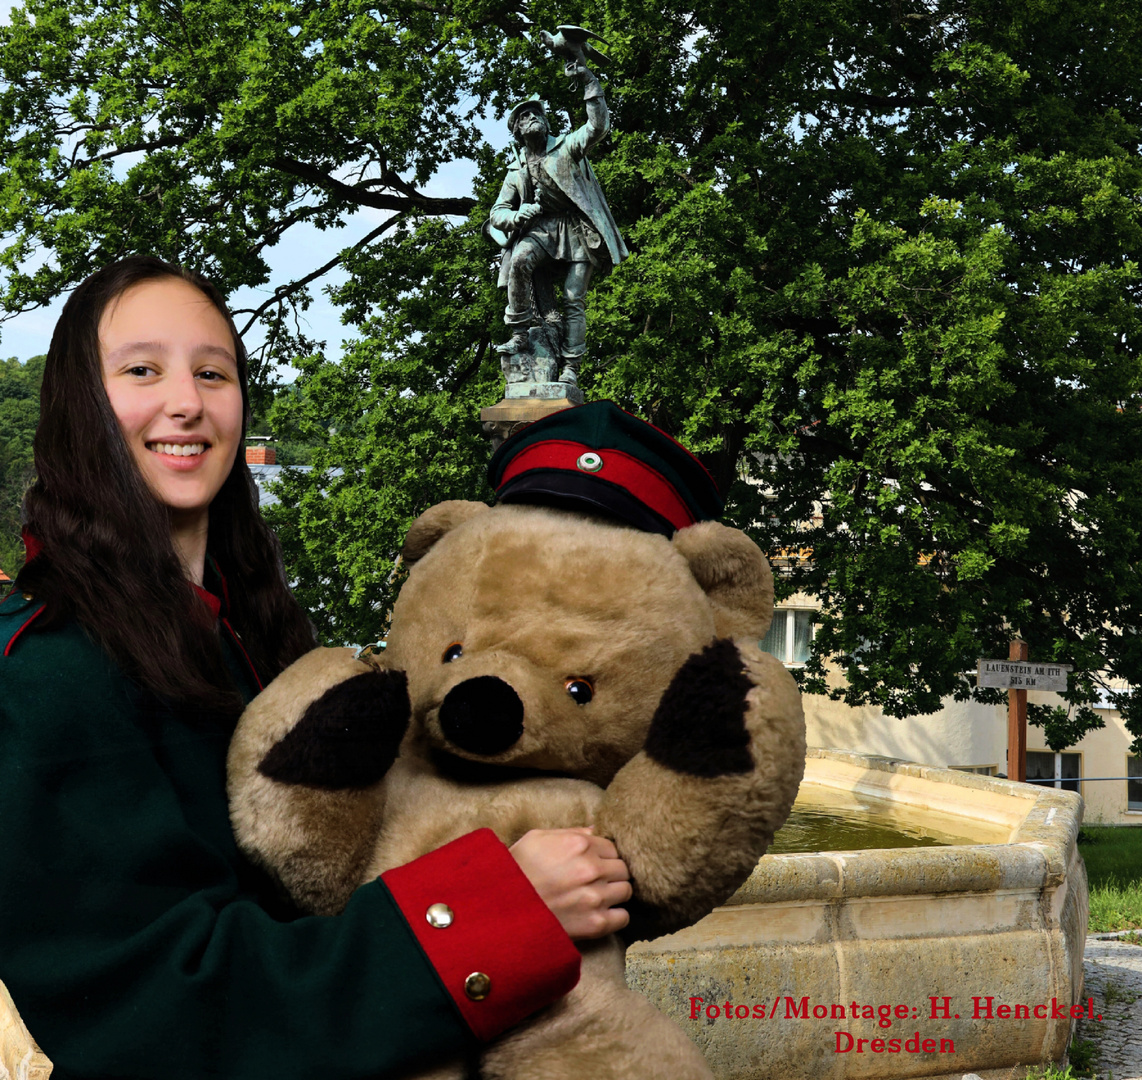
496	947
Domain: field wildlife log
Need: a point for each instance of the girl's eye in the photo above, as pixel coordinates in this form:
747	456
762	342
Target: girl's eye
211	376
139	369
453	652
580	690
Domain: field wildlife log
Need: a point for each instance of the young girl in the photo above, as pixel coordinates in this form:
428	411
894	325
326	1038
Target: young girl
134	938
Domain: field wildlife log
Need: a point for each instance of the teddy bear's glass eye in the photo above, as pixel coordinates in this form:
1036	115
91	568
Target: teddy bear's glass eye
581	690
453	652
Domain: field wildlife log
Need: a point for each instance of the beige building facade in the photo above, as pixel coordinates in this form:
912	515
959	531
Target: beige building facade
968	735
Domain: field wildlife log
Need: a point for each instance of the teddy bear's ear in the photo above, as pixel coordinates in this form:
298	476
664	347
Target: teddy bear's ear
734	574
434	523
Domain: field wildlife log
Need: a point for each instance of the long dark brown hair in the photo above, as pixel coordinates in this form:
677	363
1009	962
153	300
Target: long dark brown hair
106	557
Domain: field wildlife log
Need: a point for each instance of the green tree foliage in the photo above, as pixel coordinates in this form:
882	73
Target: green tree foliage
885	279
19	413
289	445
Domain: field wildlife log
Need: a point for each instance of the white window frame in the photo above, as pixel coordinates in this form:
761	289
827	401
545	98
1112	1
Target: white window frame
790	614
1133	805
1060	779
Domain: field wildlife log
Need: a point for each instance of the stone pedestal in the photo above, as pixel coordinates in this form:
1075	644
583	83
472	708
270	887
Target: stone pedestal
523	404
567	393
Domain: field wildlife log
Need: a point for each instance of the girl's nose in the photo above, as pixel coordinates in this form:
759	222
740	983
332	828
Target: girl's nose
185	399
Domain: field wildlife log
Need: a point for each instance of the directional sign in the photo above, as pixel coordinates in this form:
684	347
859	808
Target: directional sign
1022	675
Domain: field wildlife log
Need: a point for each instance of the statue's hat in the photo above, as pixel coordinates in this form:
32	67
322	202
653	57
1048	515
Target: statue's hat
603	460
533	102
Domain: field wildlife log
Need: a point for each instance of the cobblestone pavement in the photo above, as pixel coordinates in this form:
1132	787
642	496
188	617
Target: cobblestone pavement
1113	971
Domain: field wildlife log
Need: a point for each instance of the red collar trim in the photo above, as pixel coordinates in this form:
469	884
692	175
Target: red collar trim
209	599
219	601
32	546
213	565
218	607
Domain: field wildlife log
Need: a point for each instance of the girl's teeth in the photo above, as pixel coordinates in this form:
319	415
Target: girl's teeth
178	449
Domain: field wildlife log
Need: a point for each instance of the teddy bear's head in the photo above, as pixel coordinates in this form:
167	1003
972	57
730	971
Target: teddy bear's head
537	638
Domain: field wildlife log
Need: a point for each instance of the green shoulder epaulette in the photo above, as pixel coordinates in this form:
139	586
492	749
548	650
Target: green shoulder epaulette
17	612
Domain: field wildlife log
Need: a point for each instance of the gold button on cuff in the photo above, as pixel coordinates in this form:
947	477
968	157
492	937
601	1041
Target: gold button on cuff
439	915
477	986
28	596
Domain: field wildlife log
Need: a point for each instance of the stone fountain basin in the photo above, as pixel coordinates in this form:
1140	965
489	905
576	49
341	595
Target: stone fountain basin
916	935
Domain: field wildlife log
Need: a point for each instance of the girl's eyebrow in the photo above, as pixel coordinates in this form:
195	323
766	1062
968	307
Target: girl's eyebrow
133	347
215	350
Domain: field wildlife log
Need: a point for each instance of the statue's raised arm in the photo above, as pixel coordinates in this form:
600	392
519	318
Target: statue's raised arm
552	218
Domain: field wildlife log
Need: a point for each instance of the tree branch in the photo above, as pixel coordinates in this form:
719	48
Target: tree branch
131	148
357	193
279	228
283	291
462	377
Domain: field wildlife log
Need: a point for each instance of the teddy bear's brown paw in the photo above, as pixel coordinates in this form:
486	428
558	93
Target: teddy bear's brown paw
348	738
693	813
699	727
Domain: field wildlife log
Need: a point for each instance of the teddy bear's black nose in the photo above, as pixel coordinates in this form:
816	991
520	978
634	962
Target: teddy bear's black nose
482	715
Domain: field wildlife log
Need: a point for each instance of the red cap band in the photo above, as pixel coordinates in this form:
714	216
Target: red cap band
623	470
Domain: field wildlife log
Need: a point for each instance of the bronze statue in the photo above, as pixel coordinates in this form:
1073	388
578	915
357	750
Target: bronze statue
551	218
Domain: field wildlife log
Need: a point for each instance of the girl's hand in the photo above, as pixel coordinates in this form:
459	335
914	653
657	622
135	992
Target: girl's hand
579	876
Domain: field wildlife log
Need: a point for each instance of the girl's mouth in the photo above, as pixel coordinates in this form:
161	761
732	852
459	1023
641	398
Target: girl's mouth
177	449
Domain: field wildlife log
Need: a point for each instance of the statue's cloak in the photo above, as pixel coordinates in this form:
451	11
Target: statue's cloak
565	162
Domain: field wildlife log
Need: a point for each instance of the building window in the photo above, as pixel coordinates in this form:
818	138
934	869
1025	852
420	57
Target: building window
979	770
790	635
1058	770
1134	787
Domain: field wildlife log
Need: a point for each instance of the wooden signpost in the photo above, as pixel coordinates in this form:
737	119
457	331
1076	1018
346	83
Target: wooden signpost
1017	675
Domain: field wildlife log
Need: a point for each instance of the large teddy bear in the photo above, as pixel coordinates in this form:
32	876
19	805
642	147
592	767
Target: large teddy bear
548	667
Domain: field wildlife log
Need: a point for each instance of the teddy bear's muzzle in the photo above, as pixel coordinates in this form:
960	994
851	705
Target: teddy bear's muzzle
482	715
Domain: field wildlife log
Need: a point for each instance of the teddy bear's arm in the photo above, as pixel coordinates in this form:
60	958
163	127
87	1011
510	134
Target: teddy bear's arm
307	767
695	810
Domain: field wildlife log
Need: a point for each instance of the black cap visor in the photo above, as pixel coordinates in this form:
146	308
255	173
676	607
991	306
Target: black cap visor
571	491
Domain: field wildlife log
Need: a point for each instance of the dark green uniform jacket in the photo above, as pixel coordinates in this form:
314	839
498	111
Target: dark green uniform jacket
135	939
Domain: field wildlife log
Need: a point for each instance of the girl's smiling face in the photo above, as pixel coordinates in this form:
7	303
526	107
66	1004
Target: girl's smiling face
172	379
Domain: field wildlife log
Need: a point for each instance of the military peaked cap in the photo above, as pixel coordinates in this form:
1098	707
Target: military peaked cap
598	458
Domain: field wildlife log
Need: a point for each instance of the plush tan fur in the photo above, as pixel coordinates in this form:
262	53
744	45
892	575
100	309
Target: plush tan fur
537	596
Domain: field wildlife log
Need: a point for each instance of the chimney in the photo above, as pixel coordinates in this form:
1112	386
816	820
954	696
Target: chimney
261	455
